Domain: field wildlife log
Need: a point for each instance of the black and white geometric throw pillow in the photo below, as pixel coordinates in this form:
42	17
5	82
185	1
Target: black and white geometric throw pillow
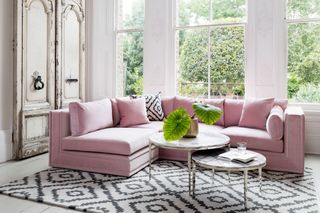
154	108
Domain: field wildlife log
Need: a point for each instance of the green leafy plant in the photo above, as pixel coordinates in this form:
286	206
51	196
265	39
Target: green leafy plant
178	122
207	113
176	125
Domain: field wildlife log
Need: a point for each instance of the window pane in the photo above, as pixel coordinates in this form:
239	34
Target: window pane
303	9
229	11
304	62
130	64
227	61
193	63
130	14
195	12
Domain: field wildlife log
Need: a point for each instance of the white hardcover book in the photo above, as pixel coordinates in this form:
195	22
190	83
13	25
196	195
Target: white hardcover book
236	156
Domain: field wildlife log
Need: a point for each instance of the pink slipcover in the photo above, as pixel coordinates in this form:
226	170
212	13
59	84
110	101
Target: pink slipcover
156	125
275	122
255	112
210	128
122	141
90	116
291	158
167	105
132	112
283	103
217	103
185	103
115	111
255	138
232	112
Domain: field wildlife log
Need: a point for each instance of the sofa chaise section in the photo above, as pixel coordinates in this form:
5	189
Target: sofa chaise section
120	141
124	154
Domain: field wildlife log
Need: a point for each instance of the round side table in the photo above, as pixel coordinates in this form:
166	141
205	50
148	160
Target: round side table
203	141
210	160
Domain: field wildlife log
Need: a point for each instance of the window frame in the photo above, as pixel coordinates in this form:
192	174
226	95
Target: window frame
209	27
117	33
287	21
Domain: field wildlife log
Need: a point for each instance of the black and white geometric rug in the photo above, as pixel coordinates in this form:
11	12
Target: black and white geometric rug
167	191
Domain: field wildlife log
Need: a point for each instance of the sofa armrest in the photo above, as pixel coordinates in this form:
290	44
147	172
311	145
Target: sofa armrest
59	127
294	136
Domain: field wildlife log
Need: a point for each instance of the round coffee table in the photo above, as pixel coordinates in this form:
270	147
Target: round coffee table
211	161
203	141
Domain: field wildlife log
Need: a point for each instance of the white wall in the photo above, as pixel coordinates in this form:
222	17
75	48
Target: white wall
6	62
159	74
265	74
100	50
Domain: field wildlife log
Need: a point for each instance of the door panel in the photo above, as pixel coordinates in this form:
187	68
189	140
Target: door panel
49	64
34	54
72	57
71	53
35	134
36	40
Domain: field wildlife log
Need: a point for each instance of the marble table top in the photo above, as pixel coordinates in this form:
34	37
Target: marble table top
210	160
204	140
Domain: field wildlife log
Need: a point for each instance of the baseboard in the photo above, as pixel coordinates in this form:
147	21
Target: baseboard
312	144
5	145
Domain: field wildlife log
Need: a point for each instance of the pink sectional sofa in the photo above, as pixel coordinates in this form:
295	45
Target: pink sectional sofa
124	151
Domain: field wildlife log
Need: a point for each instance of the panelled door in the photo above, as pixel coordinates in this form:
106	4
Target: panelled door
34	75
71	54
49	50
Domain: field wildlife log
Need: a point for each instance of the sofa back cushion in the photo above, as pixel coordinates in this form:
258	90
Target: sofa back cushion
232	112
167	105
90	116
185	103
217	103
275	122
255	112
115	110
132	112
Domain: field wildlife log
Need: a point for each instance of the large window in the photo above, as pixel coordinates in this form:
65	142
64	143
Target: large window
129	30
210	52
303	22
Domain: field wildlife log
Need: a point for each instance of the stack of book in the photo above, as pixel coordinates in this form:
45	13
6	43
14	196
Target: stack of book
237	157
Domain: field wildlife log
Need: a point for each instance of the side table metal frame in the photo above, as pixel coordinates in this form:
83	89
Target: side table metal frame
190	163
245	176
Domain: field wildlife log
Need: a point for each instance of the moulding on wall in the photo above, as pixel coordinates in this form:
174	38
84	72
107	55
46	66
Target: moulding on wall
5	145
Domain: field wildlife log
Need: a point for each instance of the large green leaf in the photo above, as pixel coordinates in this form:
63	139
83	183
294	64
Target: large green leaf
207	113
176	125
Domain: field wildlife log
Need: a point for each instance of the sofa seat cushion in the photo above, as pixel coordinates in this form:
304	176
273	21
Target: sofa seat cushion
210	128
156	125
255	138
122	141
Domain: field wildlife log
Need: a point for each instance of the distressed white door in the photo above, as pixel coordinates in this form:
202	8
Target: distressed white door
70	52
34	49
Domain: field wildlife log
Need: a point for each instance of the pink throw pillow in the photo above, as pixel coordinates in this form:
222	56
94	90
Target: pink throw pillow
232	112
217	103
115	110
90	116
167	105
275	123
255	112
185	103
132	112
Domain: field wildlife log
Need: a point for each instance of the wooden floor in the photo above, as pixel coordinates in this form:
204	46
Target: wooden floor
19	169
